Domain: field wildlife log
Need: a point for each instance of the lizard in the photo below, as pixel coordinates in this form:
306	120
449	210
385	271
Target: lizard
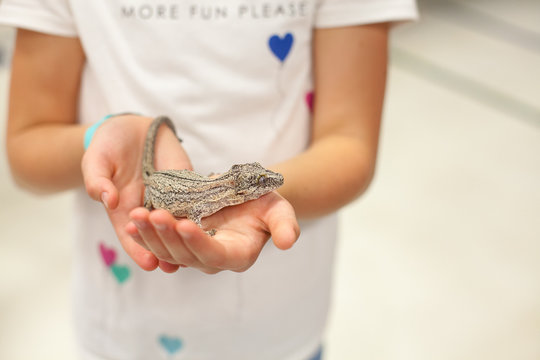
185	193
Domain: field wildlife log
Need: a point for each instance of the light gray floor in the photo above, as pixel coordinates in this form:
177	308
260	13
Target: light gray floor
441	257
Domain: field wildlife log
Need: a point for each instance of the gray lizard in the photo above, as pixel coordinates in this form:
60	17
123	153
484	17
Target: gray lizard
185	193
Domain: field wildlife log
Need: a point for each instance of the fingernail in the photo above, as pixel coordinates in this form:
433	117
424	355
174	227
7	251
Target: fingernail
139	224
105	198
160	227
184	235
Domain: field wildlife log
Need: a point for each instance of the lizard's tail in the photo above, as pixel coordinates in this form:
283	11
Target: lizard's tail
149	145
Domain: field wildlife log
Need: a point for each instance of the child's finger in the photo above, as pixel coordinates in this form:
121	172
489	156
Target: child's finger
98	184
282	224
132	231
208	251
102	189
142	257
164	224
168	267
148	234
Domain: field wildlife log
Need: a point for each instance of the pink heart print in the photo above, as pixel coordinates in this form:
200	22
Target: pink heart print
309	100
108	254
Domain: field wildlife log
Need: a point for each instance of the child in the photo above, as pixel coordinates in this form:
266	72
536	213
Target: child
296	85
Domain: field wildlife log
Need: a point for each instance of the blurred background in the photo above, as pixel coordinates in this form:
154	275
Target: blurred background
441	257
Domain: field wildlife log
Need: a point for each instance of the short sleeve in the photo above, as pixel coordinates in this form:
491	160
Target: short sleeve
334	13
48	16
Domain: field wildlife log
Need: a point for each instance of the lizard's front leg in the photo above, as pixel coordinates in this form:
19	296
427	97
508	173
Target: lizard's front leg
195	215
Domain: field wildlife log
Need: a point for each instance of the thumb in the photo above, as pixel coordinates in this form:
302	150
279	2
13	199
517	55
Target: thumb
282	223
97	181
285	233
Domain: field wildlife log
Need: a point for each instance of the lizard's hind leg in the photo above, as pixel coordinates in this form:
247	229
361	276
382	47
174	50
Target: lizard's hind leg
195	216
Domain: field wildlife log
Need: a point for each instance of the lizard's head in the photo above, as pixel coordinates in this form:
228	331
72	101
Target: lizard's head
253	181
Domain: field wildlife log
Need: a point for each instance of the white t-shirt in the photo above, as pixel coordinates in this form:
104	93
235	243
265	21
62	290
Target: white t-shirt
235	76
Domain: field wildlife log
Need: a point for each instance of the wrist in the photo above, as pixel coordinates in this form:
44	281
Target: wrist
91	130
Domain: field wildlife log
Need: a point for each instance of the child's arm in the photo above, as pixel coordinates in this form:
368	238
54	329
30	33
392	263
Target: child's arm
350	72
44	145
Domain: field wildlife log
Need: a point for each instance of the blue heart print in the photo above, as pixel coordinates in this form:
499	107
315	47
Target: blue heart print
281	46
171	344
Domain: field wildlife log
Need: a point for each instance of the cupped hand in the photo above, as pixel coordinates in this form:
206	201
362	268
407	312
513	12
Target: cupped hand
241	233
112	171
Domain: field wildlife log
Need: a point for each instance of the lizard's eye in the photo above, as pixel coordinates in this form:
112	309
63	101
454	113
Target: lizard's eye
261	179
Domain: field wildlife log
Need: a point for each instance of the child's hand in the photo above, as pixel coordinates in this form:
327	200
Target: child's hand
112	168
242	231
